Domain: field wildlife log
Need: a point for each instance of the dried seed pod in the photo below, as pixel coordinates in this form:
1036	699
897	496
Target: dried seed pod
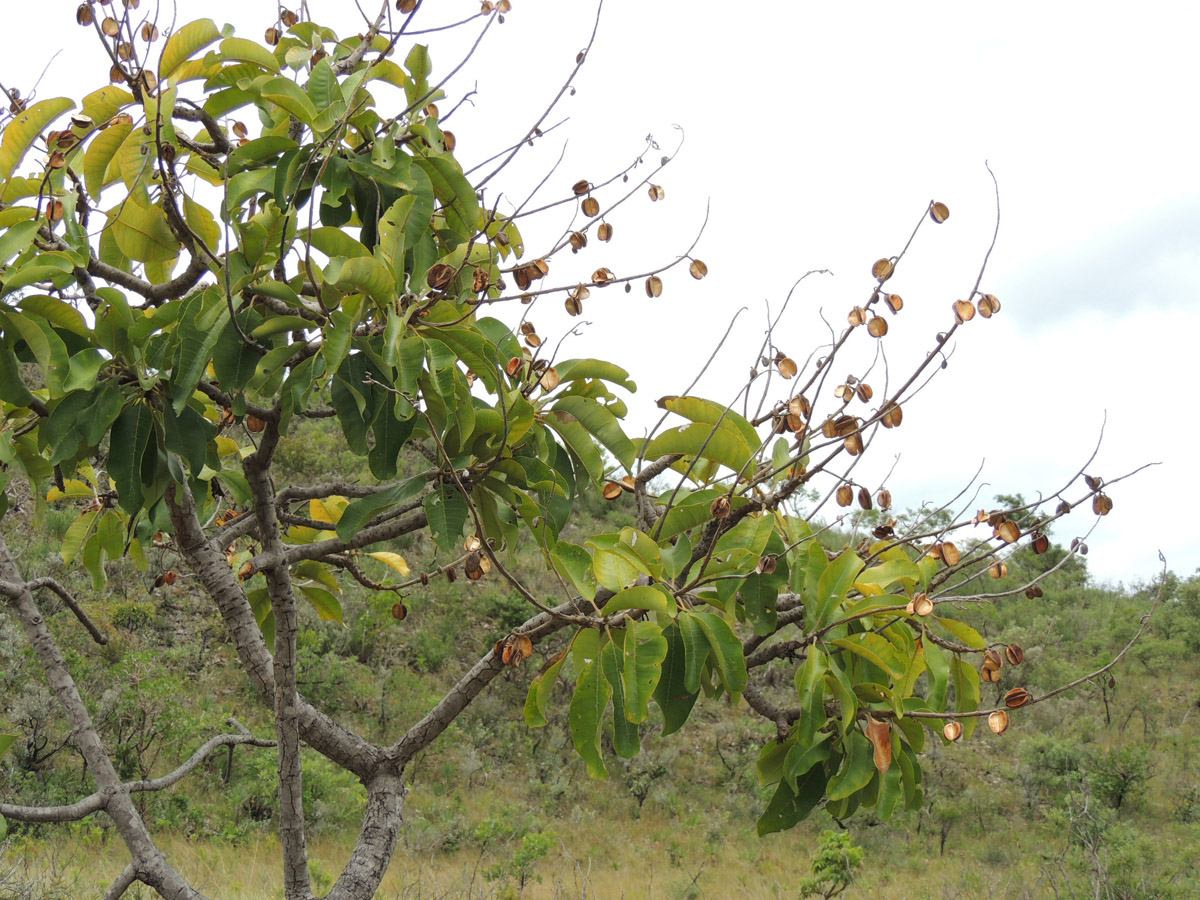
992	660
254	424
988	305
604	232
998	569
697	269
581	187
1040	543
877	327
578	241
991	676
939	212
949	553
654	286
998	721
883	269
1008	531
858	316
885	499
720	508
1033	592
612	490
767	564
853	444
1102	504
656	192
892	416
845	495
1017	697
864	499
864	392
1014	654
399	611
922	605
953	731
964	311
591	207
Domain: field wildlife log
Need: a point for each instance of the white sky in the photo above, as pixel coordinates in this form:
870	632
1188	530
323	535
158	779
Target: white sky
818	133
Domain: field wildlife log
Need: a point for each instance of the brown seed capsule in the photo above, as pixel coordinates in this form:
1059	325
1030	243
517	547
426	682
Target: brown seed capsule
991	676
720	508
1017	697
254	424
399	611
581	187
964	311
767	564
845	495
1102	504
877	327
892	416
656	192
591	207
949	553
1041	543
998	721
883	269
1033	592
952	731
604	232
853	444
1008	531
1014	654
998	569
894	302
992	660
922	605
885	499
451	575
864	499
245	571
612	490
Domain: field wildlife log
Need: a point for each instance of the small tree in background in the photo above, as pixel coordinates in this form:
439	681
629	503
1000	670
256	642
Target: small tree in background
225	238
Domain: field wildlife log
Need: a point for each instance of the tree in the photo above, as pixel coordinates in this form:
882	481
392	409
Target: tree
181	290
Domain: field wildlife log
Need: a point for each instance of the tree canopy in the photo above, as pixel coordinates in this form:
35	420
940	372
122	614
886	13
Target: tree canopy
225	237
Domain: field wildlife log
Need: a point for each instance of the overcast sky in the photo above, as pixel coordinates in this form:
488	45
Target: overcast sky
816	134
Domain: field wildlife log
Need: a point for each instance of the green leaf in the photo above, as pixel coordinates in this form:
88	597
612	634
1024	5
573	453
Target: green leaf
671	693
25	128
103	104
858	767
625	733
707	412
6	741
788	807
877	579
645	649
361	511
132	438
323	601
726	650
963	632
141	231
810	686
99	155
579	369
539	691
602	425
966	692
839	685
697	650
890	792
592	693
876	650
78	532
722	444
834	585
939	673
242	50
186	43
16	239
801	757
447	513
364	274
653	598
289	96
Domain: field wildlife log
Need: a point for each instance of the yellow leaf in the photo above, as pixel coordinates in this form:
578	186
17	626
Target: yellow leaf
395	560
75	489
